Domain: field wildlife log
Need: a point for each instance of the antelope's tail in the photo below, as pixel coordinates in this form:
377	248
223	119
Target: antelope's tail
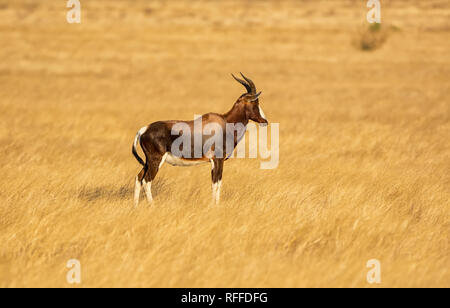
137	140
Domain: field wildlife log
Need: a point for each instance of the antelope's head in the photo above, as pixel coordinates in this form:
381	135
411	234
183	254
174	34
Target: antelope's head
249	102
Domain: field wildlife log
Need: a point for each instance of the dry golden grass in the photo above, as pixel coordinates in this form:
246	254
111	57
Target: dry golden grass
364	144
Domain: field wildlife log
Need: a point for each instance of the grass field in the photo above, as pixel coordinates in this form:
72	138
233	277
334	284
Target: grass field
364	168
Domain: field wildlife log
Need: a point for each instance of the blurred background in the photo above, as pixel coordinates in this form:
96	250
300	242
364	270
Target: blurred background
364	152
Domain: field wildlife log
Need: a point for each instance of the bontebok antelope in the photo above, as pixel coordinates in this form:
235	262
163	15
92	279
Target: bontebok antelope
160	141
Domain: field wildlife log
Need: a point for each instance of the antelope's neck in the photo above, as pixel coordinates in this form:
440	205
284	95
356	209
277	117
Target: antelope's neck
236	115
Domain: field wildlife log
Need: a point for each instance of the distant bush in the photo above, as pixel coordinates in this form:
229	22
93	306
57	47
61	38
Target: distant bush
372	37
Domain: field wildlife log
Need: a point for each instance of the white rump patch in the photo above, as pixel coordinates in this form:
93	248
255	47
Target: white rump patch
143	130
139	134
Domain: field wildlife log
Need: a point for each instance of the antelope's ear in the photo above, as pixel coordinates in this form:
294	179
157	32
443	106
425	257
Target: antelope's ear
255	97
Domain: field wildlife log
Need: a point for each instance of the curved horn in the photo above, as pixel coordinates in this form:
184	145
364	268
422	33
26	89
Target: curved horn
247	86
255	97
251	84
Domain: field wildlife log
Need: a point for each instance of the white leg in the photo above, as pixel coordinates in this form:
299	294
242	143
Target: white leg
214	185
214	191
137	192
148	191
219	184
148	185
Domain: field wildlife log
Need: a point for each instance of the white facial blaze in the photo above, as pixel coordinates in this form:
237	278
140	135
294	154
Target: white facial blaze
261	112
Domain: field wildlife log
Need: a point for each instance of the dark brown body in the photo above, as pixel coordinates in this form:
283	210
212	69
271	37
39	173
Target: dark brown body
157	139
